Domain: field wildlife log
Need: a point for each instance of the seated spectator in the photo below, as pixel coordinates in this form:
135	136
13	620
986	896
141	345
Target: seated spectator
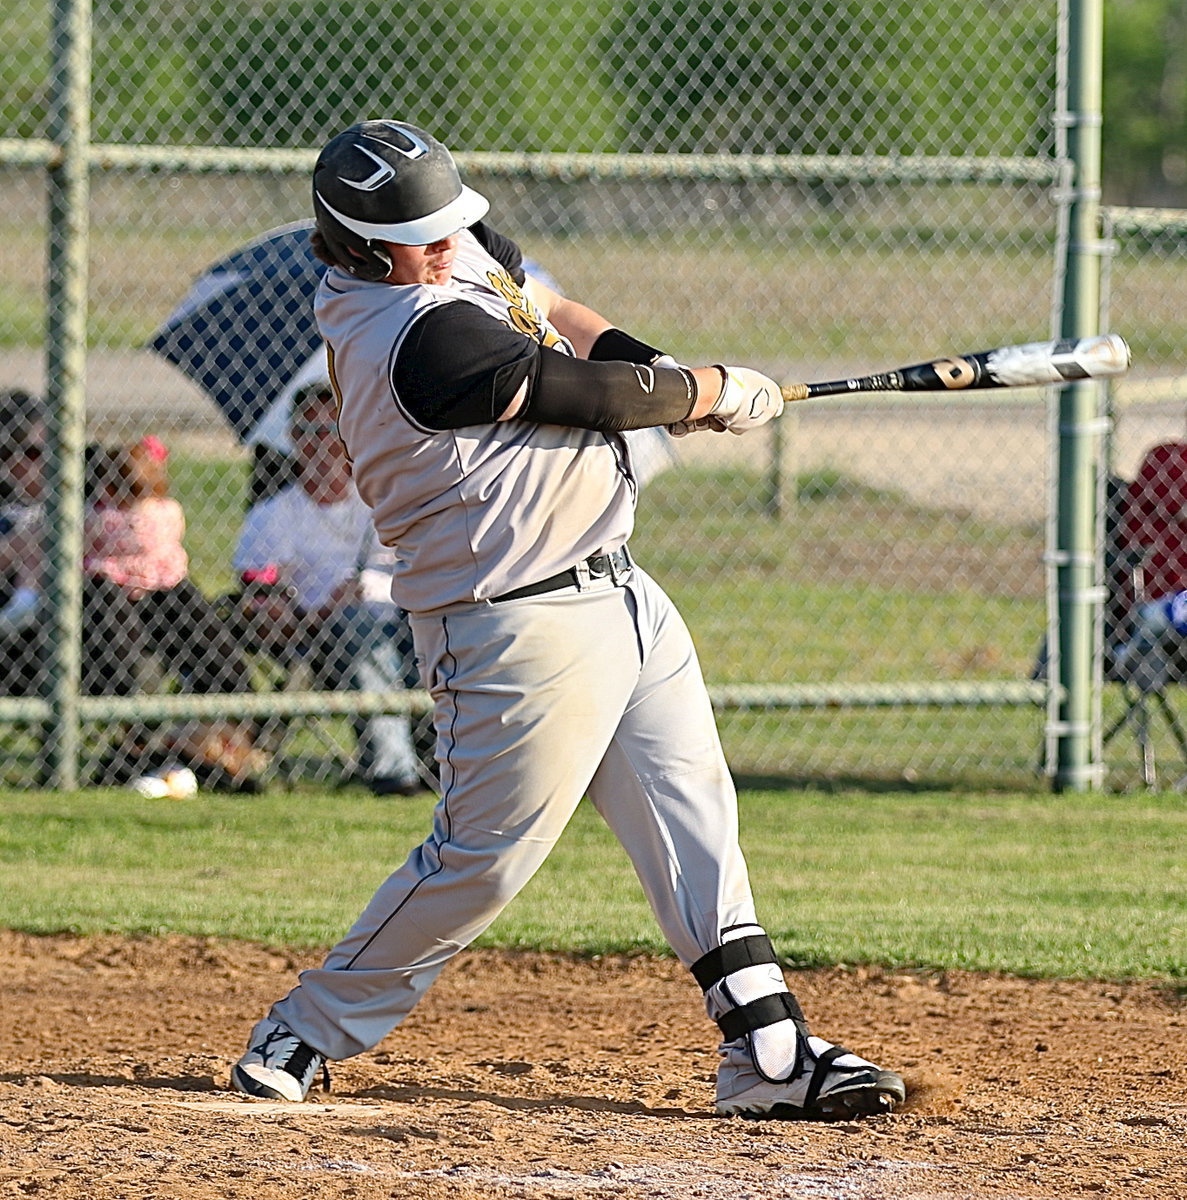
1154	519
23	571
22	444
1151	595
137	570
137	598
132	542
318	586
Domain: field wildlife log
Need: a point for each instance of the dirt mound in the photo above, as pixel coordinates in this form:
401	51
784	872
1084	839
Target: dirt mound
527	1075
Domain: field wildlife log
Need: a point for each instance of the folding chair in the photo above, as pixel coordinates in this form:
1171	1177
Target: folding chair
1145	666
1146	617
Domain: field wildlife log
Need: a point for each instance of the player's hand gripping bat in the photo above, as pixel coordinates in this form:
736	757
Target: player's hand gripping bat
1029	365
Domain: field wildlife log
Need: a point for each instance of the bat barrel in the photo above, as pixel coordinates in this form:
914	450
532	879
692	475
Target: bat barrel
1065	361
1033	364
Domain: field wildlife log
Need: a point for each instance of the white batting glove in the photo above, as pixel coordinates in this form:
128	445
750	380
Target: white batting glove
748	400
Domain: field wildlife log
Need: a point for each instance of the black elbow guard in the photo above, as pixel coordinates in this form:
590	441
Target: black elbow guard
614	345
613	396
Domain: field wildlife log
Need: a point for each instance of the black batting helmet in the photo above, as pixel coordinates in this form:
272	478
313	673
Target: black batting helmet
386	181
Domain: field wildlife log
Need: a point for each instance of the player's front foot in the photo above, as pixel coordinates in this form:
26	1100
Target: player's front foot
833	1085
773	1068
278	1065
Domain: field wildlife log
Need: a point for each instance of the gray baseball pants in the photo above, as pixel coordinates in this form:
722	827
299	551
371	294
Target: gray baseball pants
594	690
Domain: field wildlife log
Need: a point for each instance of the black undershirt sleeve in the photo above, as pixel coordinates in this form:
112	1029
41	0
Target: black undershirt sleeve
612	396
459	366
614	345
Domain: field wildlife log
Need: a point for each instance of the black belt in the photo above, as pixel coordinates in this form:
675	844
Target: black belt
598	566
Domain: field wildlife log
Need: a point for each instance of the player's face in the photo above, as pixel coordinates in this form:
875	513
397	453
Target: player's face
422	264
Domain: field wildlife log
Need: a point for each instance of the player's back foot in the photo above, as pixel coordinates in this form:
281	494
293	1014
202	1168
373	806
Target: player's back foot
278	1065
834	1085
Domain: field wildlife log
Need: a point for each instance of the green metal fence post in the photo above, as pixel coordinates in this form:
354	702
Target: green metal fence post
780	496
1075	555
66	336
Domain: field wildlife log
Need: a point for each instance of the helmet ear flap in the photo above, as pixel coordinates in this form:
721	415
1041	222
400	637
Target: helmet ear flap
372	264
362	258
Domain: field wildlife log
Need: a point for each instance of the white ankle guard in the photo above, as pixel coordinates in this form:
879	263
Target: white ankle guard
746	995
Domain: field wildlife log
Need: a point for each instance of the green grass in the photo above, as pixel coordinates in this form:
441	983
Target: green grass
955	748
1065	886
212	491
860	585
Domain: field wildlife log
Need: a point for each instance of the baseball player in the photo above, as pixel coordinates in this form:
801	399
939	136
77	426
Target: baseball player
484	417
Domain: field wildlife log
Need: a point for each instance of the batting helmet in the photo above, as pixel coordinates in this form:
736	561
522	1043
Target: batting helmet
386	181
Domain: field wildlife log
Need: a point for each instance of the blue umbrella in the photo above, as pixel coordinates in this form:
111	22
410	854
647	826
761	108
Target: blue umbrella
246	326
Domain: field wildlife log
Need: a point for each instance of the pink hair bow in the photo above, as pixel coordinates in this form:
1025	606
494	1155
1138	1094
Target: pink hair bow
155	447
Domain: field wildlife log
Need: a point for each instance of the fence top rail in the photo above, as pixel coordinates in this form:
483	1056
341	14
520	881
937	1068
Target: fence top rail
879	695
729	168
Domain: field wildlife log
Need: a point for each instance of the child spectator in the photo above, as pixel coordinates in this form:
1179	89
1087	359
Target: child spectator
134	528
133	543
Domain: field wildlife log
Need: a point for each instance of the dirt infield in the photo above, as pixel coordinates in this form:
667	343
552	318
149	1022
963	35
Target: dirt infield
548	1078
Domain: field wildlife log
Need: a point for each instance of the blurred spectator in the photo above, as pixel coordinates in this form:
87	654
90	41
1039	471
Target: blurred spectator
133	542
136	566
317	586
23	569
22	445
137	598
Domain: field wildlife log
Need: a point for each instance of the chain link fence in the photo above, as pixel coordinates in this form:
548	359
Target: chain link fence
818	190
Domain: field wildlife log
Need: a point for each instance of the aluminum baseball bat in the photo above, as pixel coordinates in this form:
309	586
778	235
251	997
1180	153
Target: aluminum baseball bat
1028	365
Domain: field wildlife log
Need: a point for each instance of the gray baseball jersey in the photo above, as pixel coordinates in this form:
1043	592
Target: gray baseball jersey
476	511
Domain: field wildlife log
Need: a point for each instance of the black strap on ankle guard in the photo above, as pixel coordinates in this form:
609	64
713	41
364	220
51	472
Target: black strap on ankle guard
768	1010
753	951
824	1064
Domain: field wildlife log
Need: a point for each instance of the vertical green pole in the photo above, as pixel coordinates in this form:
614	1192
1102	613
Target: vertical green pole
66	337
1076	550
780	497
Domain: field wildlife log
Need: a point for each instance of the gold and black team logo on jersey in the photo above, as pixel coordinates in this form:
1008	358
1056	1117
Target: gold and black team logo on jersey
522	314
